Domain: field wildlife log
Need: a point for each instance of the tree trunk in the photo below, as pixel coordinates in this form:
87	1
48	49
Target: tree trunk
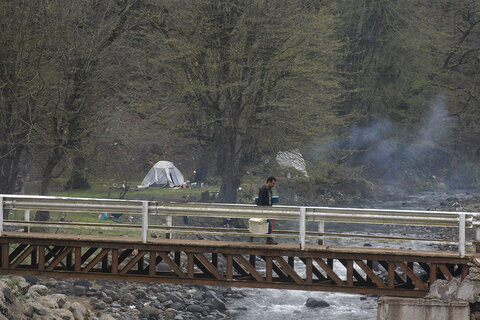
228	189
9	169
8	172
52	162
228	169
77	179
47	176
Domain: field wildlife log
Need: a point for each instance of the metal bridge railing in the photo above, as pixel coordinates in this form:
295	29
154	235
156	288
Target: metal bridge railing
151	209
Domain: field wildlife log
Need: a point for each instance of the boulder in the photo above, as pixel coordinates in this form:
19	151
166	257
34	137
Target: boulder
161	297
82	282
17	284
174	297
63	314
170	313
51	283
215	301
150	312
316	303
48	302
38	288
195	308
443	289
79	290
7	293
79	311
140	294
32	295
474	271
177	306
116	305
107	300
468	290
37	308
475	315
99	305
112	294
59	298
128	299
31	279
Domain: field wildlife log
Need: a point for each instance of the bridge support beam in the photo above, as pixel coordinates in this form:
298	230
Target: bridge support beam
362	270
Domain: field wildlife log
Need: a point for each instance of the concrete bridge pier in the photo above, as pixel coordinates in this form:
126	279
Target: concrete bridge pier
447	300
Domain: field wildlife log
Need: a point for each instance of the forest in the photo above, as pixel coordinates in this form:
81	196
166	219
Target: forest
378	96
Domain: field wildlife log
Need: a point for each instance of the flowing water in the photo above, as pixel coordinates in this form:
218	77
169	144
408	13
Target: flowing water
270	304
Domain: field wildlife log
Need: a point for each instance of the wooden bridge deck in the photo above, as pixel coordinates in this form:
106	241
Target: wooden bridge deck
363	270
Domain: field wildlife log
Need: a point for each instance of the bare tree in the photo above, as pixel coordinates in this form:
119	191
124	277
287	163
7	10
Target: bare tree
81	34
250	77
21	84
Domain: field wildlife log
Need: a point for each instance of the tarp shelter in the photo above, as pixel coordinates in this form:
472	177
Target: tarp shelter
163	174
292	159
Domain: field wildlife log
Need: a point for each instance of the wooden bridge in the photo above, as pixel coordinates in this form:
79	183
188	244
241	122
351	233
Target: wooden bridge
303	264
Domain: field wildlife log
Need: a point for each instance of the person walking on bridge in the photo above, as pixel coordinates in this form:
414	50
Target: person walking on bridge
265	199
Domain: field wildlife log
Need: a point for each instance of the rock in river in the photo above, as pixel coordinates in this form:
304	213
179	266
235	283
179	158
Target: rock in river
315	303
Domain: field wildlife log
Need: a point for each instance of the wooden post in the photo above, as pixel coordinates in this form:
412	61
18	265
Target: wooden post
114	261
77	266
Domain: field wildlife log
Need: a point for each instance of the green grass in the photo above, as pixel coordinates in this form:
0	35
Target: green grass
112	190
108	190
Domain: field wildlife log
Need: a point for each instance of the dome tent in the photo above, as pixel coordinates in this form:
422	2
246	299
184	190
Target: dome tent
163	174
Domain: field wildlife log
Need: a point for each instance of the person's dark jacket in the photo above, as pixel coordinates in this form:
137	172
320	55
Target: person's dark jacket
265	196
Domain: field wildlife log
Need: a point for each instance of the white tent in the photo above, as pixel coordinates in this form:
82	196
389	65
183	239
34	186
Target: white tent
163	174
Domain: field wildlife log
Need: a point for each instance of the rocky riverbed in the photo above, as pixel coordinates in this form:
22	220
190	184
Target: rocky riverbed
80	299
467	203
76	299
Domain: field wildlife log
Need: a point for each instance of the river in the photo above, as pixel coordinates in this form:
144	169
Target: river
268	304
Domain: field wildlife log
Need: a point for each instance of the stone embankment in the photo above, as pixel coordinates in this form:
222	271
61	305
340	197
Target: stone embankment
446	300
66	299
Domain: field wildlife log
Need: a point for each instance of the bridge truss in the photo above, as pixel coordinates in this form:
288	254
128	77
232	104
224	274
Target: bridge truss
243	264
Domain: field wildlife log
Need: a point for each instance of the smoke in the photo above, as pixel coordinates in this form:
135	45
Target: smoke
393	151
436	128
388	143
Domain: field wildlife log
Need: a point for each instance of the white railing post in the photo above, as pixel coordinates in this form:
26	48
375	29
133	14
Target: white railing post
301	227
169	222
477	239
1	216
461	234
144	221
321	229
27	219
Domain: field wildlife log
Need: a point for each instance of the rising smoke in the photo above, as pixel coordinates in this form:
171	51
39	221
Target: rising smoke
392	153
388	142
